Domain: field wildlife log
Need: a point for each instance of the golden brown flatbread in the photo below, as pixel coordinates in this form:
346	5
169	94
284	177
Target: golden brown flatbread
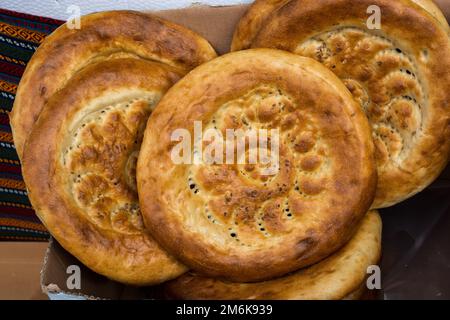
93	96
400	74
232	220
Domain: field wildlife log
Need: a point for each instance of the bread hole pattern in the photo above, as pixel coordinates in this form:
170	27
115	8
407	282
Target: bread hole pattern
244	204
379	73
287	210
193	186
99	157
209	215
261	226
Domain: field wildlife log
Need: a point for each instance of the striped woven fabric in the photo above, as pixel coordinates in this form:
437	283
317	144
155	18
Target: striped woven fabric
20	35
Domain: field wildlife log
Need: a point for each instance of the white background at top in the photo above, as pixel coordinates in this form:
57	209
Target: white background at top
58	8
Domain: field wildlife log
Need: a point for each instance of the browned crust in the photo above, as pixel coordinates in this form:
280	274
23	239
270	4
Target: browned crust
260	11
164	194
340	276
129	258
434	10
252	21
414	25
102	36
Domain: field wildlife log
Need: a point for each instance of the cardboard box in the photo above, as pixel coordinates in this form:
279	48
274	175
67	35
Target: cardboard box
416	240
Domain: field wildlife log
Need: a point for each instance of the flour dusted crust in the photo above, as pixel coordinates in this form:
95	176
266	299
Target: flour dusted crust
96	88
399	74
340	276
102	36
231	221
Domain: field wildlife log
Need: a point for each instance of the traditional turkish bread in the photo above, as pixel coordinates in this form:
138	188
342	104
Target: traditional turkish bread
399	73
92	91
102	36
232	220
340	276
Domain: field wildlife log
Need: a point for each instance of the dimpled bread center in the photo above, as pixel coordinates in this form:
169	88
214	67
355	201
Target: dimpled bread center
384	80
239	199
100	164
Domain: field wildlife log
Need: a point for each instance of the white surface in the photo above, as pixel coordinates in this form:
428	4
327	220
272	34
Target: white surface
58	8
64	296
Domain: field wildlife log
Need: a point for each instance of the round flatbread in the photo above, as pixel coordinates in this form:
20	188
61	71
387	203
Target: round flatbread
397	71
340	276
237	220
79	162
